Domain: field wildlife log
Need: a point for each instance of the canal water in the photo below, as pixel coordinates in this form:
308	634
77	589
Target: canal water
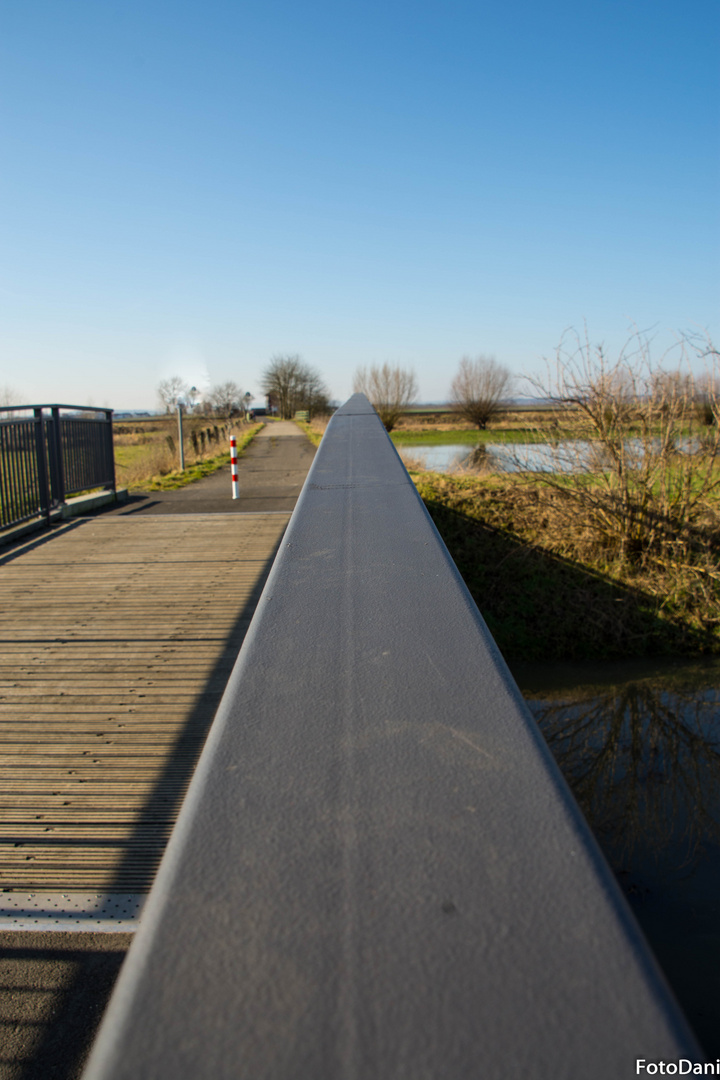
639	743
565	456
456	457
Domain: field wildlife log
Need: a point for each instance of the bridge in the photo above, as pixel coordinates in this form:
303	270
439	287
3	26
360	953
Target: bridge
378	871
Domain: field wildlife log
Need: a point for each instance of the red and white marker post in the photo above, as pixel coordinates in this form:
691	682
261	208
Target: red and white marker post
233	467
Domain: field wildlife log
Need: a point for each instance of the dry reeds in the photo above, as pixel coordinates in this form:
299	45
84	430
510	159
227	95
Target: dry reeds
643	468
158	460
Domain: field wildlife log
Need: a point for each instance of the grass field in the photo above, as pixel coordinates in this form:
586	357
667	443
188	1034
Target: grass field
447	428
464	435
147	455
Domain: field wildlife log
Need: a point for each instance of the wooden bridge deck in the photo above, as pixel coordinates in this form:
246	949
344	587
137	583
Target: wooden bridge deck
117	636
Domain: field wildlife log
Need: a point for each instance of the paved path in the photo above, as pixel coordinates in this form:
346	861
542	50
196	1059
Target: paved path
117	636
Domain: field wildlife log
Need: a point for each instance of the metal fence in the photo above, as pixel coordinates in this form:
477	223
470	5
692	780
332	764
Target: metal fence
49	452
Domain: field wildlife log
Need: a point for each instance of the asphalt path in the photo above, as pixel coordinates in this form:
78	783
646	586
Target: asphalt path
54	986
53	991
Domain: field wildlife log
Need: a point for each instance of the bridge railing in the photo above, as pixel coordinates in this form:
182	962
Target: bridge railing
49	452
378	871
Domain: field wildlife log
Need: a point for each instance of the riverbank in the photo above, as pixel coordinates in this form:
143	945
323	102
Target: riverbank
548	594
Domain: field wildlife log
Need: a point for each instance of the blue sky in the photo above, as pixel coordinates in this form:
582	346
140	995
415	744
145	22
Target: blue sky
192	188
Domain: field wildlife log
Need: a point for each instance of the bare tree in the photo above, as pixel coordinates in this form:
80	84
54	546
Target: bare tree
9	396
225	398
389	389
707	399
171	391
291	385
478	389
707	384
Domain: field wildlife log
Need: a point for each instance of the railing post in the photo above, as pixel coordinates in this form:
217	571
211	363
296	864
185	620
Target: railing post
180	437
57	465
110	449
41	464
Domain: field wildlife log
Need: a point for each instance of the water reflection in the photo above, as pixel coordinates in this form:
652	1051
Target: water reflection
643	761
642	755
450	458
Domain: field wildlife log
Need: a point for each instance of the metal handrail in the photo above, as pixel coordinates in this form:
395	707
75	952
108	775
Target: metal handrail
46	456
378	871
45	406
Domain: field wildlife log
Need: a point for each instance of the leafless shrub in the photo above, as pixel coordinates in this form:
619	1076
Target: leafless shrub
172	391
478	389
291	386
389	389
9	396
707	398
479	459
225	398
642	473
412	460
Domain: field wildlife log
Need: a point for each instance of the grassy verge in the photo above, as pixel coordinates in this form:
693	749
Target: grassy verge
177	479
315	429
545	590
145	466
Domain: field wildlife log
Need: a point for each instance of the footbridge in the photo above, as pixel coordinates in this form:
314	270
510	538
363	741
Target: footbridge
378	871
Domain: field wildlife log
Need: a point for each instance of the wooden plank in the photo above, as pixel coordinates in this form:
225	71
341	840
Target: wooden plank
117	637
